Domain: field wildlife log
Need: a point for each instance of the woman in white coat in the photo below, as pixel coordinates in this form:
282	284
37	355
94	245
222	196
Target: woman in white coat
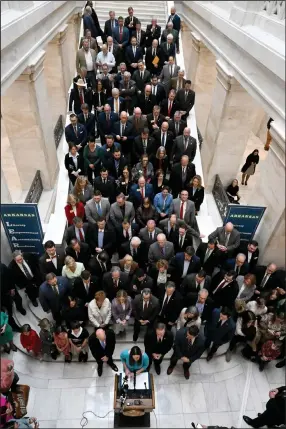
99	310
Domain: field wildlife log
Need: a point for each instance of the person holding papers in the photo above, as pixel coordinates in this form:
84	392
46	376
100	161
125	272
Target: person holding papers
134	361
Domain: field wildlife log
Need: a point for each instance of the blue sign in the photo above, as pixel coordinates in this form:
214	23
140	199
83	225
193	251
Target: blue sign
245	219
23	227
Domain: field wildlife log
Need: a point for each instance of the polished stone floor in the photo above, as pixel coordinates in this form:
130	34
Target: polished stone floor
217	393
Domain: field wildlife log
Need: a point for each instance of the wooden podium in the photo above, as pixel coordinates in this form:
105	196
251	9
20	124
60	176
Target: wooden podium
132	414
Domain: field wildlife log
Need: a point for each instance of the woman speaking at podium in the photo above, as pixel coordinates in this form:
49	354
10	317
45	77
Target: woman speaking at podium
134	361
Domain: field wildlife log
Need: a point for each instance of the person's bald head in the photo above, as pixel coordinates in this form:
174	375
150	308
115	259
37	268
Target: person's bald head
100	334
165	126
170	25
137	112
123	116
155	43
170	38
109	40
271	268
104	48
228	227
173	10
148	90
181	74
187	132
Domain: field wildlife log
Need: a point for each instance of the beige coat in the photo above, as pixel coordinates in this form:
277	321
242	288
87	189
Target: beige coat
80	59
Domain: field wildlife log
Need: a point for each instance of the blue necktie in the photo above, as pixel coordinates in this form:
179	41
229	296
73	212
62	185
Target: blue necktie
99	211
100	239
102	344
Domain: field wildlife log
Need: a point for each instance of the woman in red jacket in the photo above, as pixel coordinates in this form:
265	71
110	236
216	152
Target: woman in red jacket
73	208
30	340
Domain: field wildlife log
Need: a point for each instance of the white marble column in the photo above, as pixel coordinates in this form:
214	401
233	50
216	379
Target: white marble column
64	52
20	5
30	128
232	115
270	193
193	61
72	46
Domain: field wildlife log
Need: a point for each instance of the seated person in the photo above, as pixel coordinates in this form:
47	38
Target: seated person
78	338
134	361
232	192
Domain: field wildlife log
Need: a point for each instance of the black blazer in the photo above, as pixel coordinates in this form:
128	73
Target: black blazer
96	270
146	283
108	240
227	295
271	282
108	286
70	233
185	104
146	105
212	260
120	236
160	120
80	292
176	266
153	346
129	56
95	99
149	57
46	265
189	284
166	53
74	100
181	346
172	127
83	256
107	189
198	196
19	278
110	166
89	123
126	145
142	39
176	177
141	256
164	108
173	308
107	28
219	335
72	137
151	35
169	141
70	166
140	83
192	299
138	149
95	347
175	239
254	257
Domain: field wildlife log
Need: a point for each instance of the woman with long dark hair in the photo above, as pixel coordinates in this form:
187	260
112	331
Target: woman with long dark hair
249	167
134	361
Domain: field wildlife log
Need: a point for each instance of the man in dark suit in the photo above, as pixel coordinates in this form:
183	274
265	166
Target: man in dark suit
224	289
168	49
25	273
145	310
251	251
149	233
88	22
102	345
87	119
208	256
195	282
120	35
158	342
113	281
85	81
80	251
116	103
109	25
265	278
80	93
99	265
155	120
186	99
182	239
237	264
124	134
177	125
133	54
157	89
227	239
164	137
184	145
171	304
105	121
86	286
189	346
79	230
139	281
154	53
125	232
143	144
219	330
181	174
175	19
116	164
202	302
102	238
53	260
183	264
76	133
137	249
153	31
53	295
140	36
141	77
105	184
130	21
169	105
140	191
146	101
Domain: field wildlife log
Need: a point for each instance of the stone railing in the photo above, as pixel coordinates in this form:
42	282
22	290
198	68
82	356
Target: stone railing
58	130
220	197
275	8
36	189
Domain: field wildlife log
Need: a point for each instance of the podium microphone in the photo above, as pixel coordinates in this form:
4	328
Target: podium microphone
134	380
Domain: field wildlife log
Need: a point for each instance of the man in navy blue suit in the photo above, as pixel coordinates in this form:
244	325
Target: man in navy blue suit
175	19
76	133
124	134
53	295
133	54
120	36
109	25
105	121
140	191
238	264
184	263
87	119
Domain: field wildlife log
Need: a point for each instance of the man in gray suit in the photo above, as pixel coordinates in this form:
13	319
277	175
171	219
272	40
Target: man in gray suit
97	208
184	145
172	225
85	57
145	308
121	210
185	209
163	249
227	239
149	234
169	71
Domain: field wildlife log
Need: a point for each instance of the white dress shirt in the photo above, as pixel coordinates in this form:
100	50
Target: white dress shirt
186	267
88	60
106	59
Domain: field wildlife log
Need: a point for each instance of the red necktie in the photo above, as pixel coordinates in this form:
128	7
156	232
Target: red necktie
120	34
145	172
182	210
170	108
81	97
142	193
81	235
220	286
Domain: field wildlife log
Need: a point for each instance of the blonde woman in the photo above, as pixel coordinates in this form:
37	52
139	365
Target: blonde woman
72	269
121	310
99	310
82	189
196	192
73	208
128	265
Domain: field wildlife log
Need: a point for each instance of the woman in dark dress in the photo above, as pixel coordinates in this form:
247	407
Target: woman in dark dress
160	160
232	192
159	182
145	212
196	192
249	167
125	182
74	163
92	162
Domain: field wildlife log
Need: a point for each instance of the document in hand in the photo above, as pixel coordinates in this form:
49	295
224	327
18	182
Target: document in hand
156	60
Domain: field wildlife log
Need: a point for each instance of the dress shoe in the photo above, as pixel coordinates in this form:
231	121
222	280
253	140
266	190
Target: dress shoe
157	369
170	370
85	357
22	311
228	355
114	367
209	357
7	349
247	420
14	348
99	370
281	364
135	338
187	374
35	303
